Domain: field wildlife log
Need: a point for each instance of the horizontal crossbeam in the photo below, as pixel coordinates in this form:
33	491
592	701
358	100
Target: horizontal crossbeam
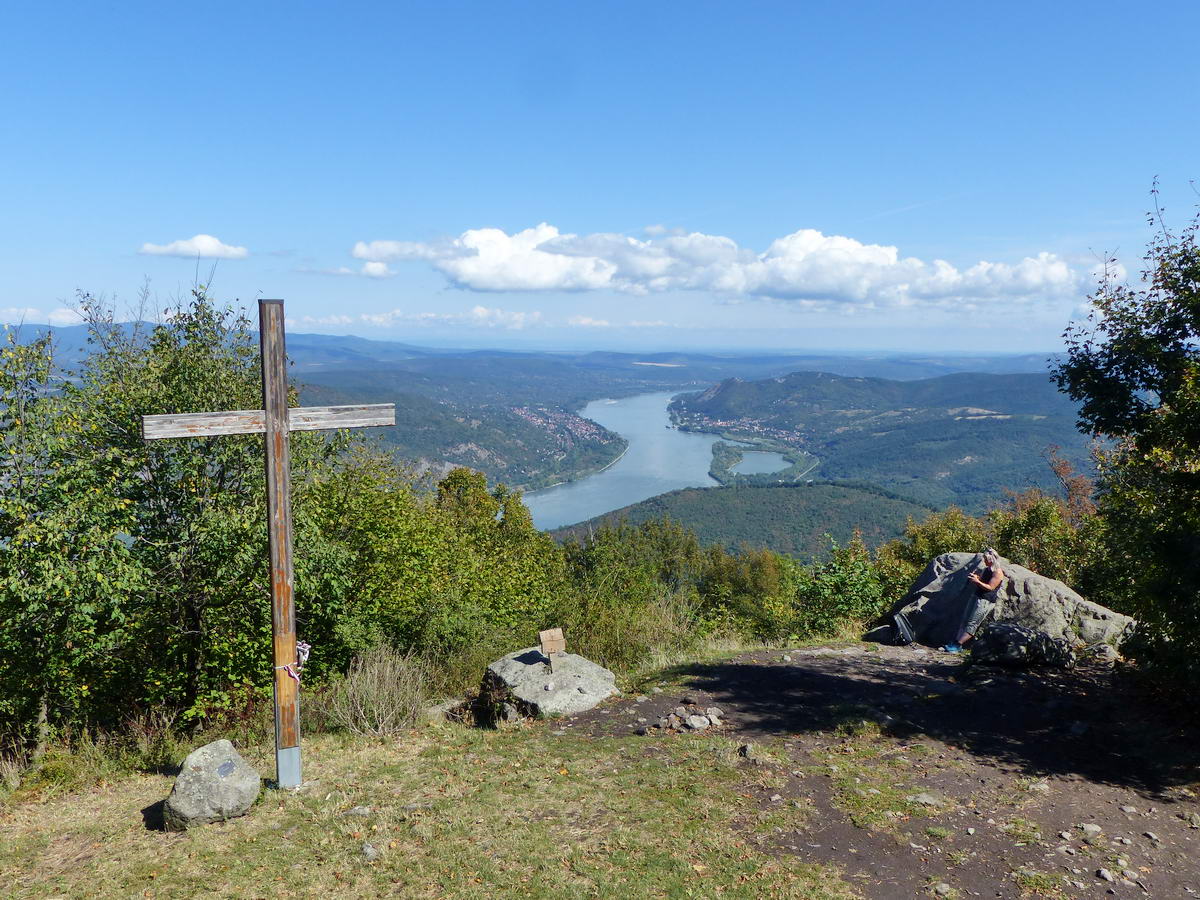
253	421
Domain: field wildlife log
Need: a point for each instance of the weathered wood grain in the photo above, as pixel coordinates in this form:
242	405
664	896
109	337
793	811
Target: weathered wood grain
279	521
253	421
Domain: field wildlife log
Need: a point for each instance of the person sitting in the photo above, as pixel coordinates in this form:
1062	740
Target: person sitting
983	600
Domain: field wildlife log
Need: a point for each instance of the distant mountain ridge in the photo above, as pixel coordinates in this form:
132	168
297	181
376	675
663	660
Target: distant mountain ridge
512	413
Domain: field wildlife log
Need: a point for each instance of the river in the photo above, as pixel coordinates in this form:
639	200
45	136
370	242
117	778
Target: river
659	459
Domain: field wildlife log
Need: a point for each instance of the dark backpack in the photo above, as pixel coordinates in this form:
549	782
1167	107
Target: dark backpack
902	633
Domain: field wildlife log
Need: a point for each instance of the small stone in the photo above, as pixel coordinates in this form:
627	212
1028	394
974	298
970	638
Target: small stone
1154	837
656	690
359	811
673	721
775	798
680	711
923	798
1040	787
689	699
970	831
942	889
548	686
1090	829
786	658
697	723
1065	835
1130	874
1124	840
1128	810
642	731
1193	819
713	712
874	791
748	751
509	713
370	852
1105	875
664	723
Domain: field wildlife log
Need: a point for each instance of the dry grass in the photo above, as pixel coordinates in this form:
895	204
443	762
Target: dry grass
382	694
454	812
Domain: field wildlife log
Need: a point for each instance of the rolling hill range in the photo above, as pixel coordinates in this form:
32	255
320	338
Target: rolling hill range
513	414
796	519
962	438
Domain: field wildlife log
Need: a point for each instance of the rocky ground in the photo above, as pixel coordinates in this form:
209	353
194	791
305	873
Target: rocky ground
919	775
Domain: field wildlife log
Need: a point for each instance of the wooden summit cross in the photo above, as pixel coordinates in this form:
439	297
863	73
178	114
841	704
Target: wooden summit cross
275	420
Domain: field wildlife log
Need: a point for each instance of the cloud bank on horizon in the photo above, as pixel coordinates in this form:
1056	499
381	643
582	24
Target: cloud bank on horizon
805	267
19	315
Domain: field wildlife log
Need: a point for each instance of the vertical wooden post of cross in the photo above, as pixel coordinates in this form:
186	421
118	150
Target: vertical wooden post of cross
279	539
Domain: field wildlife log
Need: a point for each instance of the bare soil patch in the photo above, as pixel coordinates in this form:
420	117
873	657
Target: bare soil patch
913	772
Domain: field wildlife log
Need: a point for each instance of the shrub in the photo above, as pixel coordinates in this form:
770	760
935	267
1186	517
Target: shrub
845	591
383	693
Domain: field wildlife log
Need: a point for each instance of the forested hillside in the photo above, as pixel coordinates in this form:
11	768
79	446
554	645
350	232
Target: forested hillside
513	414
961	438
794	519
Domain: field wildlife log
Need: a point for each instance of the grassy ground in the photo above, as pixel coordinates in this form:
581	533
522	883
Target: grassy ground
450	812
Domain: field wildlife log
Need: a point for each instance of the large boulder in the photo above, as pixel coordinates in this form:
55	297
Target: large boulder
934	604
1018	647
523	680
214	784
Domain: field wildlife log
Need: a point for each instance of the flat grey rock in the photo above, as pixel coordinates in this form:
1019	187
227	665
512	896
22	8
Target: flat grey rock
524	679
214	784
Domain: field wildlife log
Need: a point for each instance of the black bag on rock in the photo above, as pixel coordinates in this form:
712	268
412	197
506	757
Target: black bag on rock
901	630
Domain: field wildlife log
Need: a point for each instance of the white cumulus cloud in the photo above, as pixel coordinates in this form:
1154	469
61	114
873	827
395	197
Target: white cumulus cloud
807	267
587	322
203	245
376	269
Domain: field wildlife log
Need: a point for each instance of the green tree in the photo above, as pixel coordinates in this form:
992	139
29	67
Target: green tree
65	567
1134	367
200	632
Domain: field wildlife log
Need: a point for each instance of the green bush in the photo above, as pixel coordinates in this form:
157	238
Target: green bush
847	591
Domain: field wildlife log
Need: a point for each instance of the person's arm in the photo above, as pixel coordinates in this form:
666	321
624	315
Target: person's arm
997	579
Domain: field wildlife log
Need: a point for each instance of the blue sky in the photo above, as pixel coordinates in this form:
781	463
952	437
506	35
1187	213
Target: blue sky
673	175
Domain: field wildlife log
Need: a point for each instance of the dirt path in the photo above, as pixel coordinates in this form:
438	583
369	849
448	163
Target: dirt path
920	777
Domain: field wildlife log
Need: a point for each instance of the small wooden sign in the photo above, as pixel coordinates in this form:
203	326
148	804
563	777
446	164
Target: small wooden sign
553	643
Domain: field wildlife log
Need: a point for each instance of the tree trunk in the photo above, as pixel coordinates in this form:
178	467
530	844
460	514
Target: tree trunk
42	732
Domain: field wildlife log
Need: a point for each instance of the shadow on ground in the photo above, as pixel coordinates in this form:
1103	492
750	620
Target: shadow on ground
1087	722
